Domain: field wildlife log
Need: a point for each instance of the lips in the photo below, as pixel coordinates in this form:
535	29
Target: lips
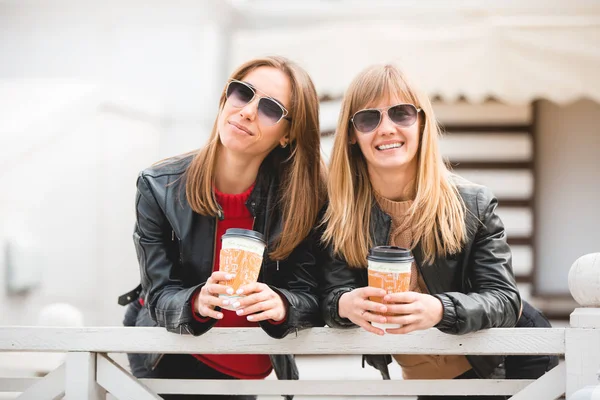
388	146
242	128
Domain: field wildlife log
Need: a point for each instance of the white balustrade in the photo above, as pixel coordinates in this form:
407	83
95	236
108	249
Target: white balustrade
89	373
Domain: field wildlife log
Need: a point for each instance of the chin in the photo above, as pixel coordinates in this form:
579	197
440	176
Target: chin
230	142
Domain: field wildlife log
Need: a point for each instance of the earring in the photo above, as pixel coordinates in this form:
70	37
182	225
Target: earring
283	146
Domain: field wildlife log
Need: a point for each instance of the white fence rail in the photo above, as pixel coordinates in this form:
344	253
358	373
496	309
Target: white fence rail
89	373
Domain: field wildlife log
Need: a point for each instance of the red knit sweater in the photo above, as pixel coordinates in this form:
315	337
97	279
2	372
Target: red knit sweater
246	366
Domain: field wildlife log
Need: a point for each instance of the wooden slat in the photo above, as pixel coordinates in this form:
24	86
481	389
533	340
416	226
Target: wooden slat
81	377
524	278
487	165
255	341
551	386
514	203
17	384
52	386
121	383
519	241
338	388
475	129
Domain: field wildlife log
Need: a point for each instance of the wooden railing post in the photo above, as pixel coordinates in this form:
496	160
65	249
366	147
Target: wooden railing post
582	339
80	377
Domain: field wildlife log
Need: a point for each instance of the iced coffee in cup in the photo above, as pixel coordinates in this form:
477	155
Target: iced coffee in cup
242	255
389	269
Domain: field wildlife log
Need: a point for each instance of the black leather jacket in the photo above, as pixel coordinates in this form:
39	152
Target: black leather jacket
477	287
175	249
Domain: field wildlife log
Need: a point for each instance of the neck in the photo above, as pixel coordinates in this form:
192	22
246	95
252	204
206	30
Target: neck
235	173
393	184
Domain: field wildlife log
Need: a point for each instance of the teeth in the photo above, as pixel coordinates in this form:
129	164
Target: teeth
389	146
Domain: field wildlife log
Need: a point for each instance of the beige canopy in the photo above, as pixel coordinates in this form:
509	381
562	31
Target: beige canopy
514	51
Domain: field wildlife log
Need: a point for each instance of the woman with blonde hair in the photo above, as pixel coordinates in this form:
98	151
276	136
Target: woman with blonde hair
261	159
388	185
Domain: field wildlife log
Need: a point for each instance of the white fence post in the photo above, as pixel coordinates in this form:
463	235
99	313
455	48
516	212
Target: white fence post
582	340
80	377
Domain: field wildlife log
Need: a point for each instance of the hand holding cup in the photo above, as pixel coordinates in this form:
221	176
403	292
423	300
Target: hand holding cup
208	298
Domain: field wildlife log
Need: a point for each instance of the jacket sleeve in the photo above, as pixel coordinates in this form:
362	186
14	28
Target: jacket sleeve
493	299
300	290
168	301
337	278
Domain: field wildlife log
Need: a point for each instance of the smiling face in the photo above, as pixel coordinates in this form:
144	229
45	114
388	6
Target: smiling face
390	148
240	128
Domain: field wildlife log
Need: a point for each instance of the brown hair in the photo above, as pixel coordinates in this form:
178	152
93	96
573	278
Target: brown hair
437	214
300	167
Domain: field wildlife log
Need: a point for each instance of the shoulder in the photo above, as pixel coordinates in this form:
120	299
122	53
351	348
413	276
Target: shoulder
171	166
477	198
165	179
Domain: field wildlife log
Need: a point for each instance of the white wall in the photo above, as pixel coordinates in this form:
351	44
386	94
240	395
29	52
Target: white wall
568	193
69	208
71	204
174	51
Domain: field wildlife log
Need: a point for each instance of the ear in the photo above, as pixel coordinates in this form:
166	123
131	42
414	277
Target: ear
284	141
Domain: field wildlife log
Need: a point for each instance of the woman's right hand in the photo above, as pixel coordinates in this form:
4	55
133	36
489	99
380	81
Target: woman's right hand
356	306
208	298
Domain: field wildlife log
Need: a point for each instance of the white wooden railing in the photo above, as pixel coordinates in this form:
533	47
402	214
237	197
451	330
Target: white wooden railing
89	373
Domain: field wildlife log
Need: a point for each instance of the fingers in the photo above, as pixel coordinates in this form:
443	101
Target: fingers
206	303
403	329
266	310
370	328
254	287
218	276
254	303
401	297
256	307
371	317
369	291
262	305
403	308
213	285
208	298
206	311
375	307
404	319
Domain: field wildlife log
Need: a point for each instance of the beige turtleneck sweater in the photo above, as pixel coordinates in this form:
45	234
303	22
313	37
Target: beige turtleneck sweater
417	366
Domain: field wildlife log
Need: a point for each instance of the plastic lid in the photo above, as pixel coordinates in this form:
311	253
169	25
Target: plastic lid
244	233
390	254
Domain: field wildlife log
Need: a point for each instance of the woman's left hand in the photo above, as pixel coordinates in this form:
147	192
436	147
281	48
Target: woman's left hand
261	303
413	311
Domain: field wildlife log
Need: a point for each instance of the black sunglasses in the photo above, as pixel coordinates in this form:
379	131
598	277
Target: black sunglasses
367	120
270	111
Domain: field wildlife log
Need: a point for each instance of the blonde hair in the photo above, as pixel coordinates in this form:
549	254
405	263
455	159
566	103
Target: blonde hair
299	166
437	215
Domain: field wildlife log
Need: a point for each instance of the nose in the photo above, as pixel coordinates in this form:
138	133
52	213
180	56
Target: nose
250	110
386	126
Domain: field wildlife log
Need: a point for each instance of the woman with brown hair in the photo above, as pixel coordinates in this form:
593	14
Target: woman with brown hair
388	185
262	158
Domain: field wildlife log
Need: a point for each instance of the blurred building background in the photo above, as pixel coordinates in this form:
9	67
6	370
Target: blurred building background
93	92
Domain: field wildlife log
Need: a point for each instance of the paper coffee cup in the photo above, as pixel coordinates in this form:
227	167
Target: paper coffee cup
242	255
389	269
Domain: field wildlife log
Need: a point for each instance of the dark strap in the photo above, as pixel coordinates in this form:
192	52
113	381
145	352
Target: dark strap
130	296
